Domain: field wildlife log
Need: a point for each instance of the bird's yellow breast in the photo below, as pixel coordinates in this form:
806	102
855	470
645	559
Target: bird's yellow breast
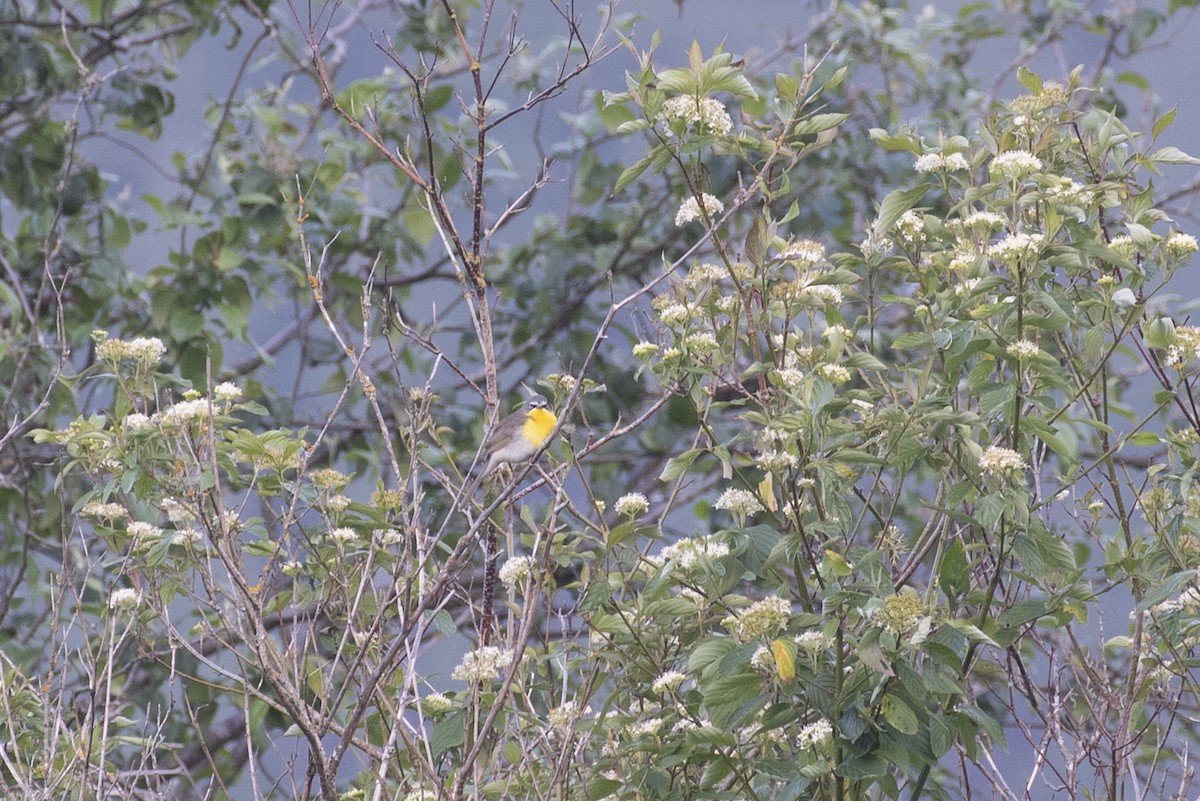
538	425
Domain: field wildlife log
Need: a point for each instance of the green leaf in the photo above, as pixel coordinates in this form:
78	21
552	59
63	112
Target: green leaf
955	573
894	206
1162	123
1173	155
1029	79
899	715
447	733
631	174
678	465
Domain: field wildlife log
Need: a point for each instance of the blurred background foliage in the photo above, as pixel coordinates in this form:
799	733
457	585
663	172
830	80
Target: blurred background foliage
208	257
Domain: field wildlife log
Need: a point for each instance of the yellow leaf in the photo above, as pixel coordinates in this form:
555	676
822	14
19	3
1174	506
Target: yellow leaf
766	491
785	659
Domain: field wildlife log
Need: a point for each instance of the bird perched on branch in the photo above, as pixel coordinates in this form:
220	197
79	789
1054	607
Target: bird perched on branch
517	437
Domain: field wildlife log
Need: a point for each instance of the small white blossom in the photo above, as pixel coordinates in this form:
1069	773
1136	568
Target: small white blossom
773	461
763	660
337	503
689	210
803	250
103	511
813	642
144	533
702	276
791	378
644	350
673	314
834	373
343	535
1023	349
633	504
986	220
184	412
1015	164
667	682
563	717
514	572
187	536
227	391
436	704
482	665
702	343
936	162
739	501
911	227
1001	460
1181	244
704	113
761	618
815	734
124	599
687	553
648	727
1014	247
387	537
135	422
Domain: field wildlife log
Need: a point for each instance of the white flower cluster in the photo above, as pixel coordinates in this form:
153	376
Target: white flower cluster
563	717
633	504
667	682
701	113
103	511
514	572
343	536
689	210
834	373
227	391
813	642
135	422
702	343
1180	244
1067	191
739	502
1185	345
1015	164
124	600
937	162
1023	349
814	734
482	665
760	618
144	533
702	276
774	461
644	350
183	413
436	704
687	553
1001	460
1014	247
648	727
675	314
387	537
911	227
146	350
986	220
805	250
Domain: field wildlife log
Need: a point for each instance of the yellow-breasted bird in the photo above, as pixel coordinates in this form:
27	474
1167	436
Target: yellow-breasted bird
518	436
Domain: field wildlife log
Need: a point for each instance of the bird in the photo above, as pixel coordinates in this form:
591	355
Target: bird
518	437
